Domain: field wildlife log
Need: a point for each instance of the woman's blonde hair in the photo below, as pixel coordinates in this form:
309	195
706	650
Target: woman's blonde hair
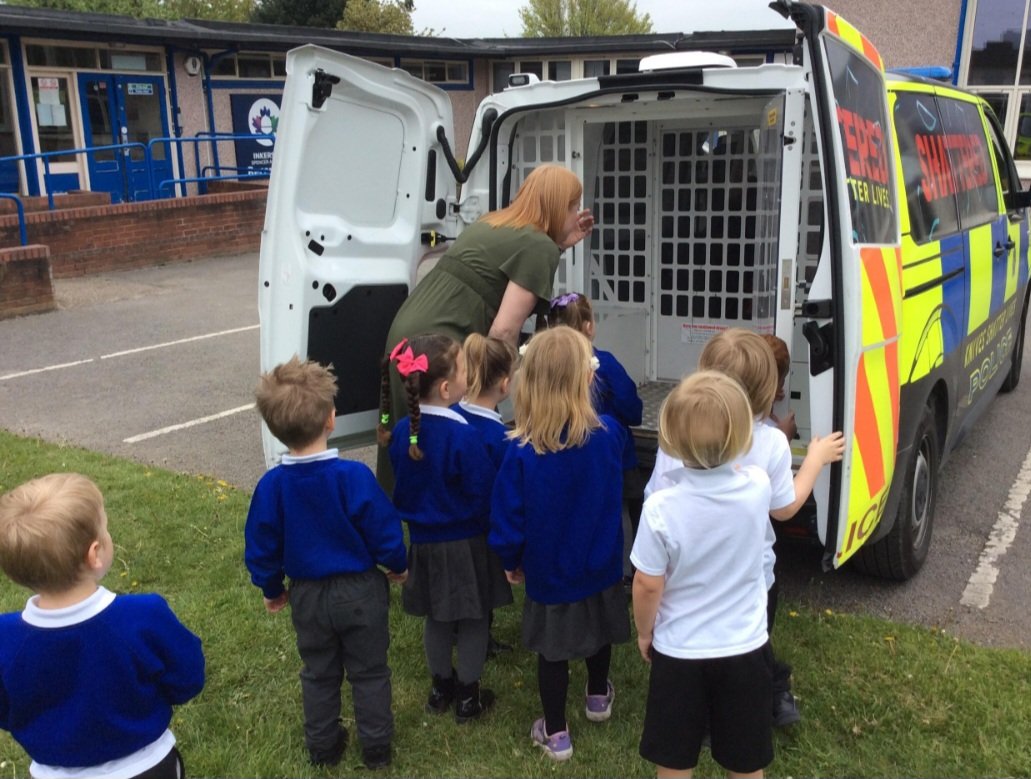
46	528
487	361
705	421
553	409
746	357
543	201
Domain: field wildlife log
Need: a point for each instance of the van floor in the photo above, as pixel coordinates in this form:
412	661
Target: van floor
652	393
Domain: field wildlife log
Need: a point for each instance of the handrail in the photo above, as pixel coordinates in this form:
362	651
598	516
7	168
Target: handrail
223	177
202	136
46	155
22	233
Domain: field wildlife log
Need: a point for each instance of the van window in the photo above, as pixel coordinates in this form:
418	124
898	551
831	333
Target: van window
971	162
859	94
925	167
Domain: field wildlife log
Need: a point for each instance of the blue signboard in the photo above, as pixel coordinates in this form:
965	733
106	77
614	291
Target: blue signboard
255	115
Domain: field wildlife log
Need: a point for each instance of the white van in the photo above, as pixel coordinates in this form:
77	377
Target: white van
874	223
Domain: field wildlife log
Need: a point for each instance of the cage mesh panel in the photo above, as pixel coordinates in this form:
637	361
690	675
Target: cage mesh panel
620	243
540	137
769	167
709	226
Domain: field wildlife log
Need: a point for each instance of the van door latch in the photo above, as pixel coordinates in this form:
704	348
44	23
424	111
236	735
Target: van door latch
820	339
322	88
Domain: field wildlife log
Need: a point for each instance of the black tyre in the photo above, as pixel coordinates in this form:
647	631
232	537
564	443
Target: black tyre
1013	377
900	554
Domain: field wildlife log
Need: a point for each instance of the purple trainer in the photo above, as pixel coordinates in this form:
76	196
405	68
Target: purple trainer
557	746
599	707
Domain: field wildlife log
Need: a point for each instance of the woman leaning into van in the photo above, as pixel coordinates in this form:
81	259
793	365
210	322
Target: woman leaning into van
497	272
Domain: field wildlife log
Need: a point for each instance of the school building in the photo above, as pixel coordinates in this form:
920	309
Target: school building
72	81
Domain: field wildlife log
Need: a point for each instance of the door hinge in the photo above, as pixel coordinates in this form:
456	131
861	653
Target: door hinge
322	87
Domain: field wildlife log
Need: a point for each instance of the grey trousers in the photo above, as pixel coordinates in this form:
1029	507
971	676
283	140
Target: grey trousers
341	625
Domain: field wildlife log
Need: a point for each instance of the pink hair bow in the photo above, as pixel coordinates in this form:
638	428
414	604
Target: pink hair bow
407	362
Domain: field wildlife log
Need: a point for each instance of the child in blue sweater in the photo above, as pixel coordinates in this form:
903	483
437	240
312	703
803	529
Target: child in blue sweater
556	523
489	364
615	394
327	524
443	476
87	678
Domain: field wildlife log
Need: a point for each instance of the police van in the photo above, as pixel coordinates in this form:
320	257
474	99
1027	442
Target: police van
873	221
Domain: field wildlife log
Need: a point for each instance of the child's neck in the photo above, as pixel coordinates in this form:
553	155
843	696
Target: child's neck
438	402
318	445
487	399
65	598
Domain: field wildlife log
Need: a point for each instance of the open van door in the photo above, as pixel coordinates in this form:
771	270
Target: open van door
359	184
853	334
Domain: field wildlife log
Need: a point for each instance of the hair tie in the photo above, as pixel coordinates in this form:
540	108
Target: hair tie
413	439
565	300
407	362
384	419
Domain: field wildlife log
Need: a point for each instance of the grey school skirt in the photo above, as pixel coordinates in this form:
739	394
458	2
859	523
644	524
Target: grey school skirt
453	580
569	631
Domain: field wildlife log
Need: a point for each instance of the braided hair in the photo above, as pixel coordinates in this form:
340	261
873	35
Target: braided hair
423	361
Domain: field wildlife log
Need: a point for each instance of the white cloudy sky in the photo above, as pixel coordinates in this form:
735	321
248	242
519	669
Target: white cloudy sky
500	18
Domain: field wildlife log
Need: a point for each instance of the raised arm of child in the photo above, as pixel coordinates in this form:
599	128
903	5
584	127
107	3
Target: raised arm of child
822	451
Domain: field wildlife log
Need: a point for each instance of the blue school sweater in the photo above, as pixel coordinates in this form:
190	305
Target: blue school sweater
96	681
445	496
319	516
489	425
559	516
615	394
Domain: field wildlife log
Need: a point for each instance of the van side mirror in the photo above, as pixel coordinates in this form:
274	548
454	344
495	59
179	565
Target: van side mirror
1017	200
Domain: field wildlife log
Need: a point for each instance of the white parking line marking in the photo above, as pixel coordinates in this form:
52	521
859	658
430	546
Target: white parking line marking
183	425
982	581
43	370
180	341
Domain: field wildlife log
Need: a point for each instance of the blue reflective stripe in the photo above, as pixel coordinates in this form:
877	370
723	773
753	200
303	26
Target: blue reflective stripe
954	291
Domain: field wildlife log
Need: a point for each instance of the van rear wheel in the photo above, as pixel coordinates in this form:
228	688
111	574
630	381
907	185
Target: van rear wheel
901	553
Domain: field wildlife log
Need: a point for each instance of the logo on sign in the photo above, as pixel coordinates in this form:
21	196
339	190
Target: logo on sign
263	119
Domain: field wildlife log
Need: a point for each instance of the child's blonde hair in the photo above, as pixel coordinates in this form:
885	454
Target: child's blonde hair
487	361
543	201
295	399
705	421
746	357
46	528
439	353
573	309
553	408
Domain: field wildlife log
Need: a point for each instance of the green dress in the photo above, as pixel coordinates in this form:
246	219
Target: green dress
462	294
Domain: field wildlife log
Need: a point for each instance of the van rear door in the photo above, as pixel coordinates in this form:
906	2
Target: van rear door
859	325
359	184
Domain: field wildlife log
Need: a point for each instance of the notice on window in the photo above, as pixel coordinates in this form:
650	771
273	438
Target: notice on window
50	115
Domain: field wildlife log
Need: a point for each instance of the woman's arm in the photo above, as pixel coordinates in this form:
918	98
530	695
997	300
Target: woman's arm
516	305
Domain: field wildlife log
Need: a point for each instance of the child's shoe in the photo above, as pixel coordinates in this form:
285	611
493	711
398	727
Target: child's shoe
785	710
442	695
598	708
334	755
557	746
377	756
471	701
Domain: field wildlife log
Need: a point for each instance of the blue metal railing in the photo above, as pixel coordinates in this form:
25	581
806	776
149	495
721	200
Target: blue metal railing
155	188
22	233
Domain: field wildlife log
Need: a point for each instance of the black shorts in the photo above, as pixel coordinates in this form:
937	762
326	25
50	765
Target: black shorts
730	697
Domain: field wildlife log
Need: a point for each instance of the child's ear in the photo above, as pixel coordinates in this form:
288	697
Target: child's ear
505	385
93	561
331	420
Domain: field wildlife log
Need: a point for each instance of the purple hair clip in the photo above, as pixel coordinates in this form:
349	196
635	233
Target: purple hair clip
565	300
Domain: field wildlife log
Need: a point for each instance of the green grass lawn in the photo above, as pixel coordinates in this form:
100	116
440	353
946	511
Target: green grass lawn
877	698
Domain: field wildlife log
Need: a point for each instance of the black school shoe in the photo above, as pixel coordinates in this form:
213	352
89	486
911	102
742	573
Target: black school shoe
334	755
471	701
377	756
442	695
785	710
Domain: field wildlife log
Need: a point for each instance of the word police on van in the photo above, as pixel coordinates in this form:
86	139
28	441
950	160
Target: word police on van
873	221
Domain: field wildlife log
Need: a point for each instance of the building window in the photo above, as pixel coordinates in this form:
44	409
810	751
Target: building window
596	68
251	65
445	72
500	71
41	56
53	121
998	66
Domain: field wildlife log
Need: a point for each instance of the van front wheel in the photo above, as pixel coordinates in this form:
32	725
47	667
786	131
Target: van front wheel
901	553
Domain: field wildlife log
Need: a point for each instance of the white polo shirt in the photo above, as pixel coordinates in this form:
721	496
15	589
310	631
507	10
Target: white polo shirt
705	534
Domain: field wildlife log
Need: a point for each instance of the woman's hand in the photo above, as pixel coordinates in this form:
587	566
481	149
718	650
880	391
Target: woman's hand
582	228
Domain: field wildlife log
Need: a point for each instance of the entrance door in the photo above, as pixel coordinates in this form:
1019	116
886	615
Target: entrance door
124	109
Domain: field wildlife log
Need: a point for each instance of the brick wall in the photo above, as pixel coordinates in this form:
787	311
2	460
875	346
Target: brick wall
133	235
25	284
62	200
